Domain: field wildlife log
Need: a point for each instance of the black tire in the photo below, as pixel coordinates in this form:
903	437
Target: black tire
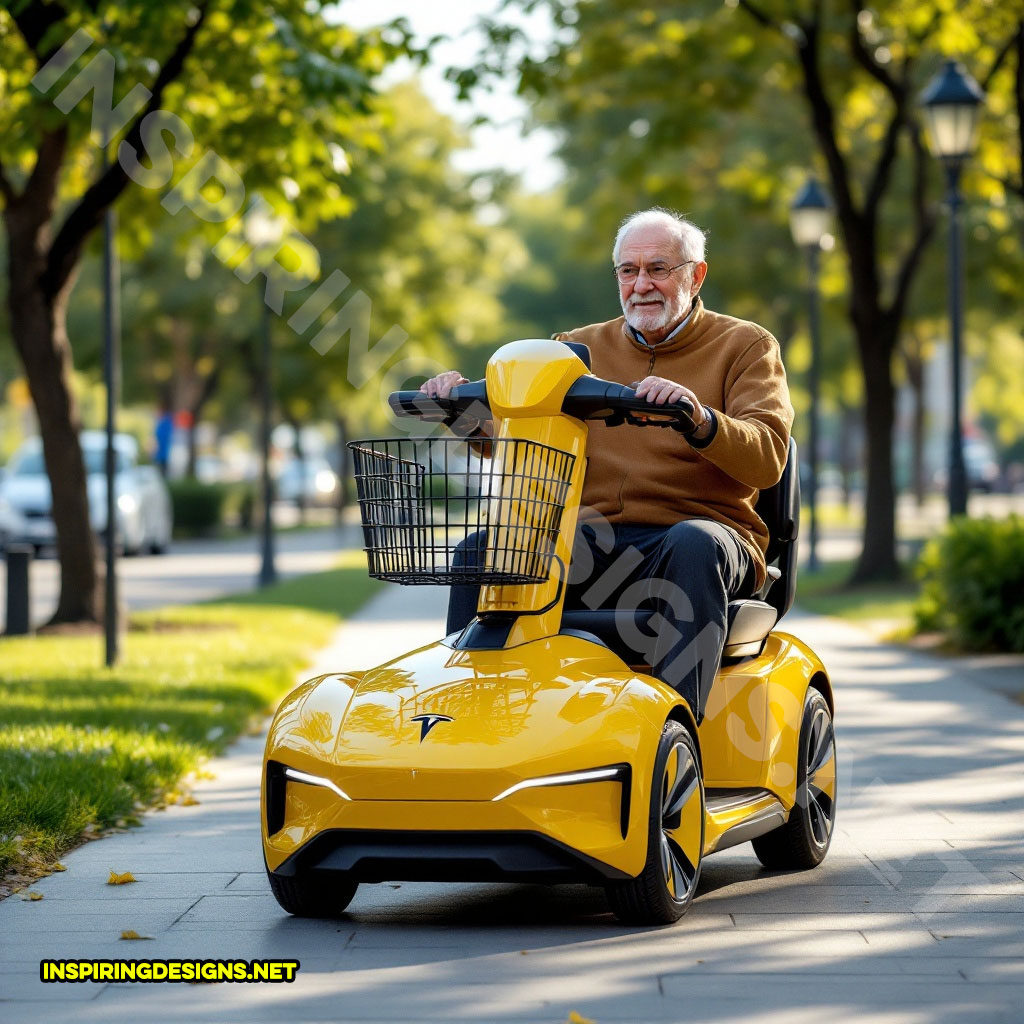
661	892
805	838
302	896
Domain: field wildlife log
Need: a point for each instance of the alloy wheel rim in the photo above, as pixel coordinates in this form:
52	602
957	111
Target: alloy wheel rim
682	814
819	795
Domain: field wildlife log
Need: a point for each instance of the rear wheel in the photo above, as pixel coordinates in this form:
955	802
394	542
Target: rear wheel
302	896
804	840
661	893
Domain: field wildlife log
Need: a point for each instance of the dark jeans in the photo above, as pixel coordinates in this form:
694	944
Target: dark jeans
687	573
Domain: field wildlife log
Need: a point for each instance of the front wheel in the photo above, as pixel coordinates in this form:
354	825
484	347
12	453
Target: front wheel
302	896
804	840
661	892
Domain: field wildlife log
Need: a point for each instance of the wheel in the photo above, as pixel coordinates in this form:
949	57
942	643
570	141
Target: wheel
804	840
661	892
302	896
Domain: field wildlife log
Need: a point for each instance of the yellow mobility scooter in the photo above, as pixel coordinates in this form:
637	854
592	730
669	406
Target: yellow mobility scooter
533	745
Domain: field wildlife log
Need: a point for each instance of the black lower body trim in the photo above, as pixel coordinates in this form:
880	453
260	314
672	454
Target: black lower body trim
379	855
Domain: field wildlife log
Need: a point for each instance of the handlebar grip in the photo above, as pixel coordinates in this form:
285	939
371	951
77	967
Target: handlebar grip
460	400
416	403
591	398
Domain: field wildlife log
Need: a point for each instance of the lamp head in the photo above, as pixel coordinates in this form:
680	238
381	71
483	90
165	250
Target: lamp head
951	103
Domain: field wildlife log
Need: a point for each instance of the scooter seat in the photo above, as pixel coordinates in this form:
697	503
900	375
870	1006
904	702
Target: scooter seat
623	630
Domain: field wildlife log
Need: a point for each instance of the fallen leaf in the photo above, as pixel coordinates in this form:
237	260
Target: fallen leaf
189	801
123	879
32	896
576	1018
132	934
60	867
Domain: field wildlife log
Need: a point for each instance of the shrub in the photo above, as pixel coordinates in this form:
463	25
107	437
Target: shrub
242	505
198	507
973	584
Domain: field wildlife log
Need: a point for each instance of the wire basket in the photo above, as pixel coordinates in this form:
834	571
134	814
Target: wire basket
440	510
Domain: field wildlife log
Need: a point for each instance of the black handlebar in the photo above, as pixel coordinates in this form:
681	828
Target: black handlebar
589	398
461	400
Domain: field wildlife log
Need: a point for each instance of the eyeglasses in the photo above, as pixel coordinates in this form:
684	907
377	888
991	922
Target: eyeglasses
627	272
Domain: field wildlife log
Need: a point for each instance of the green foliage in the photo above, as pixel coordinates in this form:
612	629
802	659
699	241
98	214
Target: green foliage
273	89
82	747
240	504
972	581
198	507
829	592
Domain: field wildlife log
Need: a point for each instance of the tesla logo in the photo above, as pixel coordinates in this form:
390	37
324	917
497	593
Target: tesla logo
427	722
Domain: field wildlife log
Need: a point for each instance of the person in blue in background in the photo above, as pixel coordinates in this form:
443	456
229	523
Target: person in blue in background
163	435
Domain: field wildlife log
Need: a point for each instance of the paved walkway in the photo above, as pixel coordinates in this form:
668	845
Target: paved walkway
916	916
194	570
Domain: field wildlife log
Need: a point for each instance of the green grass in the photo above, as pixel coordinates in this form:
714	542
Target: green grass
83	748
828	593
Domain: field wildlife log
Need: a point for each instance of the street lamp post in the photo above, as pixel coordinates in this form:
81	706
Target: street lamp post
809	220
951	103
112	379
263	232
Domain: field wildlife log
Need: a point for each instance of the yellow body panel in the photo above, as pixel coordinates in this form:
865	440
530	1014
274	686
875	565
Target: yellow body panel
543	708
547	707
526	384
752	719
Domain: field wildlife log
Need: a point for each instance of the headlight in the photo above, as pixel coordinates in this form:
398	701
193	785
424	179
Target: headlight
278	777
315	780
127	504
619	771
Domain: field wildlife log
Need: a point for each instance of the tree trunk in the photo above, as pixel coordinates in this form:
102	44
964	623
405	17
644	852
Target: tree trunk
203	392
913	361
877	559
190	469
300	459
848	424
38	327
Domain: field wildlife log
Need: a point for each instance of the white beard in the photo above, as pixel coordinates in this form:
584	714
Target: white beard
649	317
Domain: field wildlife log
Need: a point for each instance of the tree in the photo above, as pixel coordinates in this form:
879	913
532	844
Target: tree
274	90
635	87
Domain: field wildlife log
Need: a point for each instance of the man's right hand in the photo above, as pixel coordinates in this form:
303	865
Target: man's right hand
441	385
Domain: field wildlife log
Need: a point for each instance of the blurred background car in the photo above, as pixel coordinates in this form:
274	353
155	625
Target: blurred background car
144	519
9	522
983	472
309	482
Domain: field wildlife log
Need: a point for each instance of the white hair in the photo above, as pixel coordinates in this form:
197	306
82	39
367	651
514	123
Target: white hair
687	234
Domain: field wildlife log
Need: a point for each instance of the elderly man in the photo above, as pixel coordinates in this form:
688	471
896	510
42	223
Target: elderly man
667	519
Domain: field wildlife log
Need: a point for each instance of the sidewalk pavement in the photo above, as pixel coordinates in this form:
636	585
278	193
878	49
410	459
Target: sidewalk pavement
197	570
917	914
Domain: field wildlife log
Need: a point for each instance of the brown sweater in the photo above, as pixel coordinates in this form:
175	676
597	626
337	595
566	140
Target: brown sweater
654	475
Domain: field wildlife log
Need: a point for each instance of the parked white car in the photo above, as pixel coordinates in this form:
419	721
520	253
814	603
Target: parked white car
144	518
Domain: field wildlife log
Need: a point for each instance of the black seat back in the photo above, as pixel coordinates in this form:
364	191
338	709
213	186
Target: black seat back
779	509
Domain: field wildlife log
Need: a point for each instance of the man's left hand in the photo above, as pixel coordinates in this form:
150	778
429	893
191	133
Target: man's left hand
660	391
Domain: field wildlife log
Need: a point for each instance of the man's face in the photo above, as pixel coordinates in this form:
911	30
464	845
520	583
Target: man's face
651	306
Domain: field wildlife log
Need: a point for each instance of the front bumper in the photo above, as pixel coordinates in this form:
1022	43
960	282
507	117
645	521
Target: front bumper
587	832
379	855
